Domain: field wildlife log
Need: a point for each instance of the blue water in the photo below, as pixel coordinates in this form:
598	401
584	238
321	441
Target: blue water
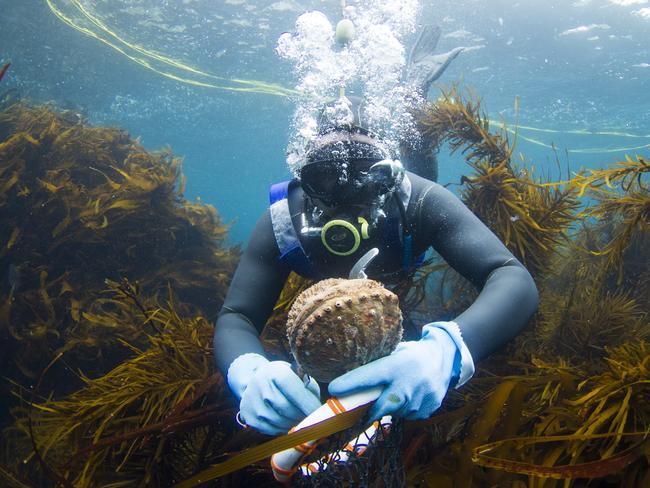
582	65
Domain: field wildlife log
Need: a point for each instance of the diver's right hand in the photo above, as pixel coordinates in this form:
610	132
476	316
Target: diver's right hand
272	397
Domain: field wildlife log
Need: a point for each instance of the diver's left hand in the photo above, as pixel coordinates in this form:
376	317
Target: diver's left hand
416	376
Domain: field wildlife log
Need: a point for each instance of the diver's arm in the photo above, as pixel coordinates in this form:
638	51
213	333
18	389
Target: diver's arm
416	376
508	295
272	396
253	292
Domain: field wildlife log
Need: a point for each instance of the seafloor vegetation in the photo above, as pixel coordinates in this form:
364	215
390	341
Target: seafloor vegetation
111	281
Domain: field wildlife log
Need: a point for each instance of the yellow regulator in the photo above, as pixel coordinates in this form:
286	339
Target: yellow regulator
343	238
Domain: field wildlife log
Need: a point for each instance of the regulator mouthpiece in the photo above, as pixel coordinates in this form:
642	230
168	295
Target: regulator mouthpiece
388	172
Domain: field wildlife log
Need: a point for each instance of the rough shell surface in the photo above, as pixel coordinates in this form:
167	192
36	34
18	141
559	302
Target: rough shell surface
337	325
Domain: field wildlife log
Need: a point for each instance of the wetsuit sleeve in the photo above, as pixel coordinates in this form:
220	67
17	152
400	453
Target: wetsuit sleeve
508	295
253	292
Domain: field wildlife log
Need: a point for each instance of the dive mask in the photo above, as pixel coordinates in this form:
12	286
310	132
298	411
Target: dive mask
352	182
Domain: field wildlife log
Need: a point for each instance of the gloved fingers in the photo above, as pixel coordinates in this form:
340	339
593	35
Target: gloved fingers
259	413
423	406
264	408
266	425
388	403
375	373
313	387
283	406
291	387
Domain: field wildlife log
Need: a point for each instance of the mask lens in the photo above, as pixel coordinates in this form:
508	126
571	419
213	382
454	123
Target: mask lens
382	177
365	181
320	180
372	178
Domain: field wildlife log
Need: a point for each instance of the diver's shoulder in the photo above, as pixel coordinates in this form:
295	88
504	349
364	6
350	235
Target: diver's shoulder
420	185
417	180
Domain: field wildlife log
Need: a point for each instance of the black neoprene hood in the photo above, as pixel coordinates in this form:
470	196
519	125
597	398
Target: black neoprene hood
341	145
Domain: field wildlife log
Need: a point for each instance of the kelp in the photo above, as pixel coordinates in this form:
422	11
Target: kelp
80	205
531	219
541	426
83	208
609	433
567	400
147	419
623	202
580	322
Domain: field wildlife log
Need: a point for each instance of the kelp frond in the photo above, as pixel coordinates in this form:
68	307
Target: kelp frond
623	204
626	174
118	419
531	219
578	324
464	126
614	402
630	216
78	205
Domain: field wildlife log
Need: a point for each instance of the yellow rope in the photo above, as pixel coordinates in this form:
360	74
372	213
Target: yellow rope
580	132
592	150
144	57
123	46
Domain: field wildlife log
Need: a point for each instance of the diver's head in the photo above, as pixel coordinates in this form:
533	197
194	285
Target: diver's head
347	164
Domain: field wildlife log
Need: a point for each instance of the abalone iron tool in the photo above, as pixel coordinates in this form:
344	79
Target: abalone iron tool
358	271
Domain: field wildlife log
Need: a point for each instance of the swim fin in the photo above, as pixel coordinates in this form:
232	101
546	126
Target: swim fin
425	44
424	67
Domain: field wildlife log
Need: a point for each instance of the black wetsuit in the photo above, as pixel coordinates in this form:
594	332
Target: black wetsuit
436	218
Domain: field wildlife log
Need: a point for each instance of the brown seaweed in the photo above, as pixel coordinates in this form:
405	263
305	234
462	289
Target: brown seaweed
533	220
566	400
79	205
133	414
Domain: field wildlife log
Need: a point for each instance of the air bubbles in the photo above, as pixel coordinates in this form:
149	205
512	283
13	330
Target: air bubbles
370	64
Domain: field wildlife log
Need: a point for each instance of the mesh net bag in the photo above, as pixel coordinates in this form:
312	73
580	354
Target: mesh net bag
367	461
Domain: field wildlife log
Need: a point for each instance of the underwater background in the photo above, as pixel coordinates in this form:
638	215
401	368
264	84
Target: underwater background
574	66
138	141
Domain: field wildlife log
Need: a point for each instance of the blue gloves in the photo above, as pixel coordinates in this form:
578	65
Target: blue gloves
416	375
272	397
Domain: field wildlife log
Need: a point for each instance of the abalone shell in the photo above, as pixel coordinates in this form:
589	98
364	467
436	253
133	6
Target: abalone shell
338	324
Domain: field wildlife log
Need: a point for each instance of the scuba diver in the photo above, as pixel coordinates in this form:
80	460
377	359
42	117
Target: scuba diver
349	198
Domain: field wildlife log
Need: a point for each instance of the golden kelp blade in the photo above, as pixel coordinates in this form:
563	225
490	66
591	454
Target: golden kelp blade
320	430
592	469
